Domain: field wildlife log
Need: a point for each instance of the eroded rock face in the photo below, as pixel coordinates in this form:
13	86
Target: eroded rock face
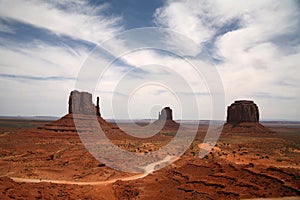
81	103
165	117
165	114
242	111
98	107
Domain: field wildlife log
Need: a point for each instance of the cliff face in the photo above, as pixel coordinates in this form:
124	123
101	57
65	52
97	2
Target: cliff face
242	111
243	117
81	103
83	110
165	118
165	114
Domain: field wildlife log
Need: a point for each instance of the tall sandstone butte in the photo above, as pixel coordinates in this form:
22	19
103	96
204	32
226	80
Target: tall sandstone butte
81	107
165	114
165	117
243	117
81	103
242	111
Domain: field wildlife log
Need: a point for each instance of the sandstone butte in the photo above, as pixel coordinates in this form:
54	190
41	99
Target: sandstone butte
165	117
83	110
243	117
82	107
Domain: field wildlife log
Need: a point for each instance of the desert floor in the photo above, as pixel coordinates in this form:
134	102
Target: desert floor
52	163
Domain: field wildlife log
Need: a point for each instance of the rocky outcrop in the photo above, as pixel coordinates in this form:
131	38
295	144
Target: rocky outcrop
98	107
81	103
243	117
165	119
84	111
242	111
165	114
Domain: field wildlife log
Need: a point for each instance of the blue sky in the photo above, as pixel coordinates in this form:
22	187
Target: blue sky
254	46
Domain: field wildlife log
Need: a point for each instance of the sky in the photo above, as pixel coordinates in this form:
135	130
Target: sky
254	47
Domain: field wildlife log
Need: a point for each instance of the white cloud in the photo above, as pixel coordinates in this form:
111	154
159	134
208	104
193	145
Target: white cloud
158	78
76	19
187	17
40	59
257	59
26	76
36	76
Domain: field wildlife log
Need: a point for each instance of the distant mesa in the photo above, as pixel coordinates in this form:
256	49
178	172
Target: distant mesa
165	118
243	117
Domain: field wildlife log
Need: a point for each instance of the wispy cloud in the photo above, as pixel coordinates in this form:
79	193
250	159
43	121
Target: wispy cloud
255	43
77	19
36	78
266	95
43	63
